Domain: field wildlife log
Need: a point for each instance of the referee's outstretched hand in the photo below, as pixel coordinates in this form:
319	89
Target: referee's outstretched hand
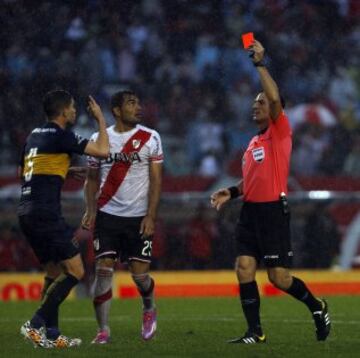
257	50
219	198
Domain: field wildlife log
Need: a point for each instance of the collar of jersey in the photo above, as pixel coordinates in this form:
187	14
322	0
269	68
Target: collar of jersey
131	131
264	134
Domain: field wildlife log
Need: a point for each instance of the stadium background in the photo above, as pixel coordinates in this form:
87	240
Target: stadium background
185	60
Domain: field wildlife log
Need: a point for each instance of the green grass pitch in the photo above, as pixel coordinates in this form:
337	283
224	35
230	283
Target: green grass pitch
192	328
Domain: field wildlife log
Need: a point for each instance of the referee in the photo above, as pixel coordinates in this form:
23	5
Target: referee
263	230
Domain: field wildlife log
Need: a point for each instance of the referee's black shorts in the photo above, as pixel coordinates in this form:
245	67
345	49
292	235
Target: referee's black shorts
263	232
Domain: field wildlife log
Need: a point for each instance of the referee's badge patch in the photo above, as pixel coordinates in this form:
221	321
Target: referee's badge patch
258	154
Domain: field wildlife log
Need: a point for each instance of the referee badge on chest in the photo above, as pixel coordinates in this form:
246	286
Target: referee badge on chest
258	154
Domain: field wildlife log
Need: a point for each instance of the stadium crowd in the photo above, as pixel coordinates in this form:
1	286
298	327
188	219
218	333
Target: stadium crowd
196	83
186	60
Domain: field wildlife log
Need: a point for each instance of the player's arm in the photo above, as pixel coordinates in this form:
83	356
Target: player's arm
147	227
268	84
78	173
99	147
91	188
220	197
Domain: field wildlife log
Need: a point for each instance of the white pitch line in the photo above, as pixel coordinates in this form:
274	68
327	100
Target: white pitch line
189	319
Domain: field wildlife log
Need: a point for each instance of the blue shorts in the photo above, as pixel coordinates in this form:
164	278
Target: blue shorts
50	237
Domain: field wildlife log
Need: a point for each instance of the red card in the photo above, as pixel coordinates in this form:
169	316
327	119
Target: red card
247	39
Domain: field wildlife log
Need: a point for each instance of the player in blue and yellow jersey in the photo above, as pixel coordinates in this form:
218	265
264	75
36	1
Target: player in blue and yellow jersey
44	165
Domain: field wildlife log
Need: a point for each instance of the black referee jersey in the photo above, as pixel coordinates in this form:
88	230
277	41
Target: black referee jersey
45	162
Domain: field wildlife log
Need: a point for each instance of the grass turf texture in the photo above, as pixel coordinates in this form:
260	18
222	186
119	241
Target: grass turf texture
192	328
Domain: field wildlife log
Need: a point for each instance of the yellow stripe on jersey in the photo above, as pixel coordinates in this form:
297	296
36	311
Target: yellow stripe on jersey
47	164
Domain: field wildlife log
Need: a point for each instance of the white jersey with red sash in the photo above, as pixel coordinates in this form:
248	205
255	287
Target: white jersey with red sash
124	175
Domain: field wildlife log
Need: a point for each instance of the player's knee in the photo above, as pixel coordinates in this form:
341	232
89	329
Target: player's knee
77	271
244	270
106	262
103	283
53	272
280	280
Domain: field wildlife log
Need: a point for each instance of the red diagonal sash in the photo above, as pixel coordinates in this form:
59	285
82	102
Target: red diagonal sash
119	169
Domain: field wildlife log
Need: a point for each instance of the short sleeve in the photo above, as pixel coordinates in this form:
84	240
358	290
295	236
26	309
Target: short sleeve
156	152
282	125
93	162
73	143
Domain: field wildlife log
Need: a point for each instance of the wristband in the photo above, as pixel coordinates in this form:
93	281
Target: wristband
234	192
259	63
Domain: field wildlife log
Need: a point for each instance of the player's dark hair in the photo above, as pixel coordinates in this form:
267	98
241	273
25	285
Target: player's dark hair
118	98
54	102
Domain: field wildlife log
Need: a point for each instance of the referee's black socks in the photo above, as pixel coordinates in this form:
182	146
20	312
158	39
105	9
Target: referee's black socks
250	302
54	296
299	290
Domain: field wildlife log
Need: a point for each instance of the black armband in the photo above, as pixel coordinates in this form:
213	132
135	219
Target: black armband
234	192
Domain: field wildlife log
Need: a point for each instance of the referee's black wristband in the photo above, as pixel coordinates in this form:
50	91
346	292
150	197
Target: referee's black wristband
234	192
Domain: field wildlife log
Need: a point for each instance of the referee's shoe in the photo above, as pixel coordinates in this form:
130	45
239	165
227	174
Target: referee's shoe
322	322
249	338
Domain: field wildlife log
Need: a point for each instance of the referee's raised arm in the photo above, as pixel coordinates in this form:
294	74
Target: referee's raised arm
268	84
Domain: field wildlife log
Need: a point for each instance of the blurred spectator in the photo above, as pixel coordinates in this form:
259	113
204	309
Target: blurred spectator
176	163
200	236
138	34
187	60
209	165
196	81
334	155
126	63
343	91
15	253
90	63
76	30
310	142
8	254
159	248
351	165
322	238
